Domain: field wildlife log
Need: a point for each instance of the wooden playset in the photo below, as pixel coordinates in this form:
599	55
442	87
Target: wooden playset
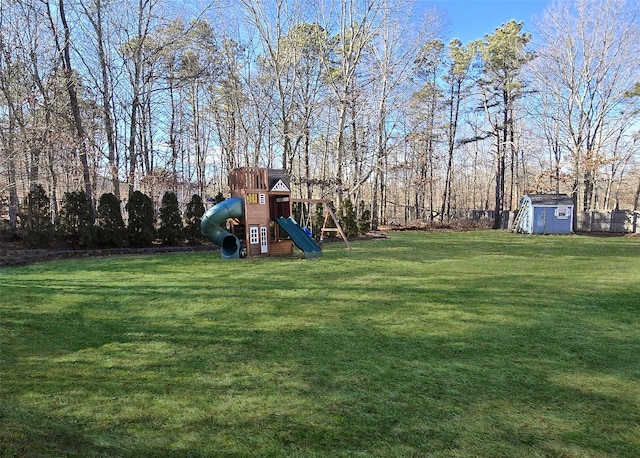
256	220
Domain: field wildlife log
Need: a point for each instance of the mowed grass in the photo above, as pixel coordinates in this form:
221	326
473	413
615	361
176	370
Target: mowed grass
477	344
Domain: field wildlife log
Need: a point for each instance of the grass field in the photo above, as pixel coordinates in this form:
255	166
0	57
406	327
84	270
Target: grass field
477	344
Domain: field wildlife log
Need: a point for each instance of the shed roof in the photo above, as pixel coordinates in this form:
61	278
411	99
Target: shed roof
550	199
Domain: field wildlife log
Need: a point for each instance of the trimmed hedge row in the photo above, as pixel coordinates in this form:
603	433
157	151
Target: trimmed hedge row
77	227
74	225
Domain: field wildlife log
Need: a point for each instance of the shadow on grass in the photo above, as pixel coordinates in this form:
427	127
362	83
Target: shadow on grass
495	389
29	432
338	358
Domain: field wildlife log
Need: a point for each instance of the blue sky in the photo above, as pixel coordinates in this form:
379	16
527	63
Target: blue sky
472	19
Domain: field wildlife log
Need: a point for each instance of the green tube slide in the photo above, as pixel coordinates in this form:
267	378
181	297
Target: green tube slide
211	226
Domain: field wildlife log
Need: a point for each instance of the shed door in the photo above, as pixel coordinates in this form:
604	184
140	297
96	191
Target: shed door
540	216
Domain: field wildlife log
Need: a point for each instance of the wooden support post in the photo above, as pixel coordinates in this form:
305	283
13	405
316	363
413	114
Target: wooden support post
329	211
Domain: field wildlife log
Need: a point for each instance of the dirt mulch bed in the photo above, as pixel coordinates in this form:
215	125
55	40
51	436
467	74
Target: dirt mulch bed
13	256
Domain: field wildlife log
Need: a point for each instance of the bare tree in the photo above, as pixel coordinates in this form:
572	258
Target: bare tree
394	51
358	22
430	100
587	62
307	45
272	21
9	87
457	81
95	14
31	94
63	45
135	43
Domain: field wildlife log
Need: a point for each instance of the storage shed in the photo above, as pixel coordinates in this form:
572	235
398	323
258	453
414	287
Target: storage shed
544	214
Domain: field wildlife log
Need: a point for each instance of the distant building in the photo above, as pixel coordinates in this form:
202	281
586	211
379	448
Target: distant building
544	214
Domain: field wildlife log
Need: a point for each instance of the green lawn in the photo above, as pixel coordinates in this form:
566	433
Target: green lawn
477	344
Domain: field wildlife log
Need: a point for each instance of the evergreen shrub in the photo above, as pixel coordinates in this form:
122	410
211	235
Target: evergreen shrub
192	216
348	219
6	232
141	228
364	218
170	230
36	228
218	198
75	219
110	228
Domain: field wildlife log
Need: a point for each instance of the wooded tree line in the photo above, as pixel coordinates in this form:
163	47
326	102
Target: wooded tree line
357	99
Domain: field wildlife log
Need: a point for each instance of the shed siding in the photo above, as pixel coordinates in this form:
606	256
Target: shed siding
545	222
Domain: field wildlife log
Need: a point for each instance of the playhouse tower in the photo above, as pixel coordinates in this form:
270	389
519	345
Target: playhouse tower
266	196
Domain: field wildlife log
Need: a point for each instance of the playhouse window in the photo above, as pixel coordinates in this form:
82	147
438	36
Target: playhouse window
263	199
562	212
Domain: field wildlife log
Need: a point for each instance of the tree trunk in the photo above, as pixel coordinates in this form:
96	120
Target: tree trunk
499	184
106	95
14	203
75	109
342	120
514	159
454	109
132	142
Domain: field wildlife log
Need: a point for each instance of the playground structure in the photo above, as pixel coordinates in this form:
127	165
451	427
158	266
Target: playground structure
256	220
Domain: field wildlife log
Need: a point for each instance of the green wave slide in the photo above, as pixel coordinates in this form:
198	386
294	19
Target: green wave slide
299	237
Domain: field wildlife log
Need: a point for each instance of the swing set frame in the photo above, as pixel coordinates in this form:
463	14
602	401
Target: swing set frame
328	213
